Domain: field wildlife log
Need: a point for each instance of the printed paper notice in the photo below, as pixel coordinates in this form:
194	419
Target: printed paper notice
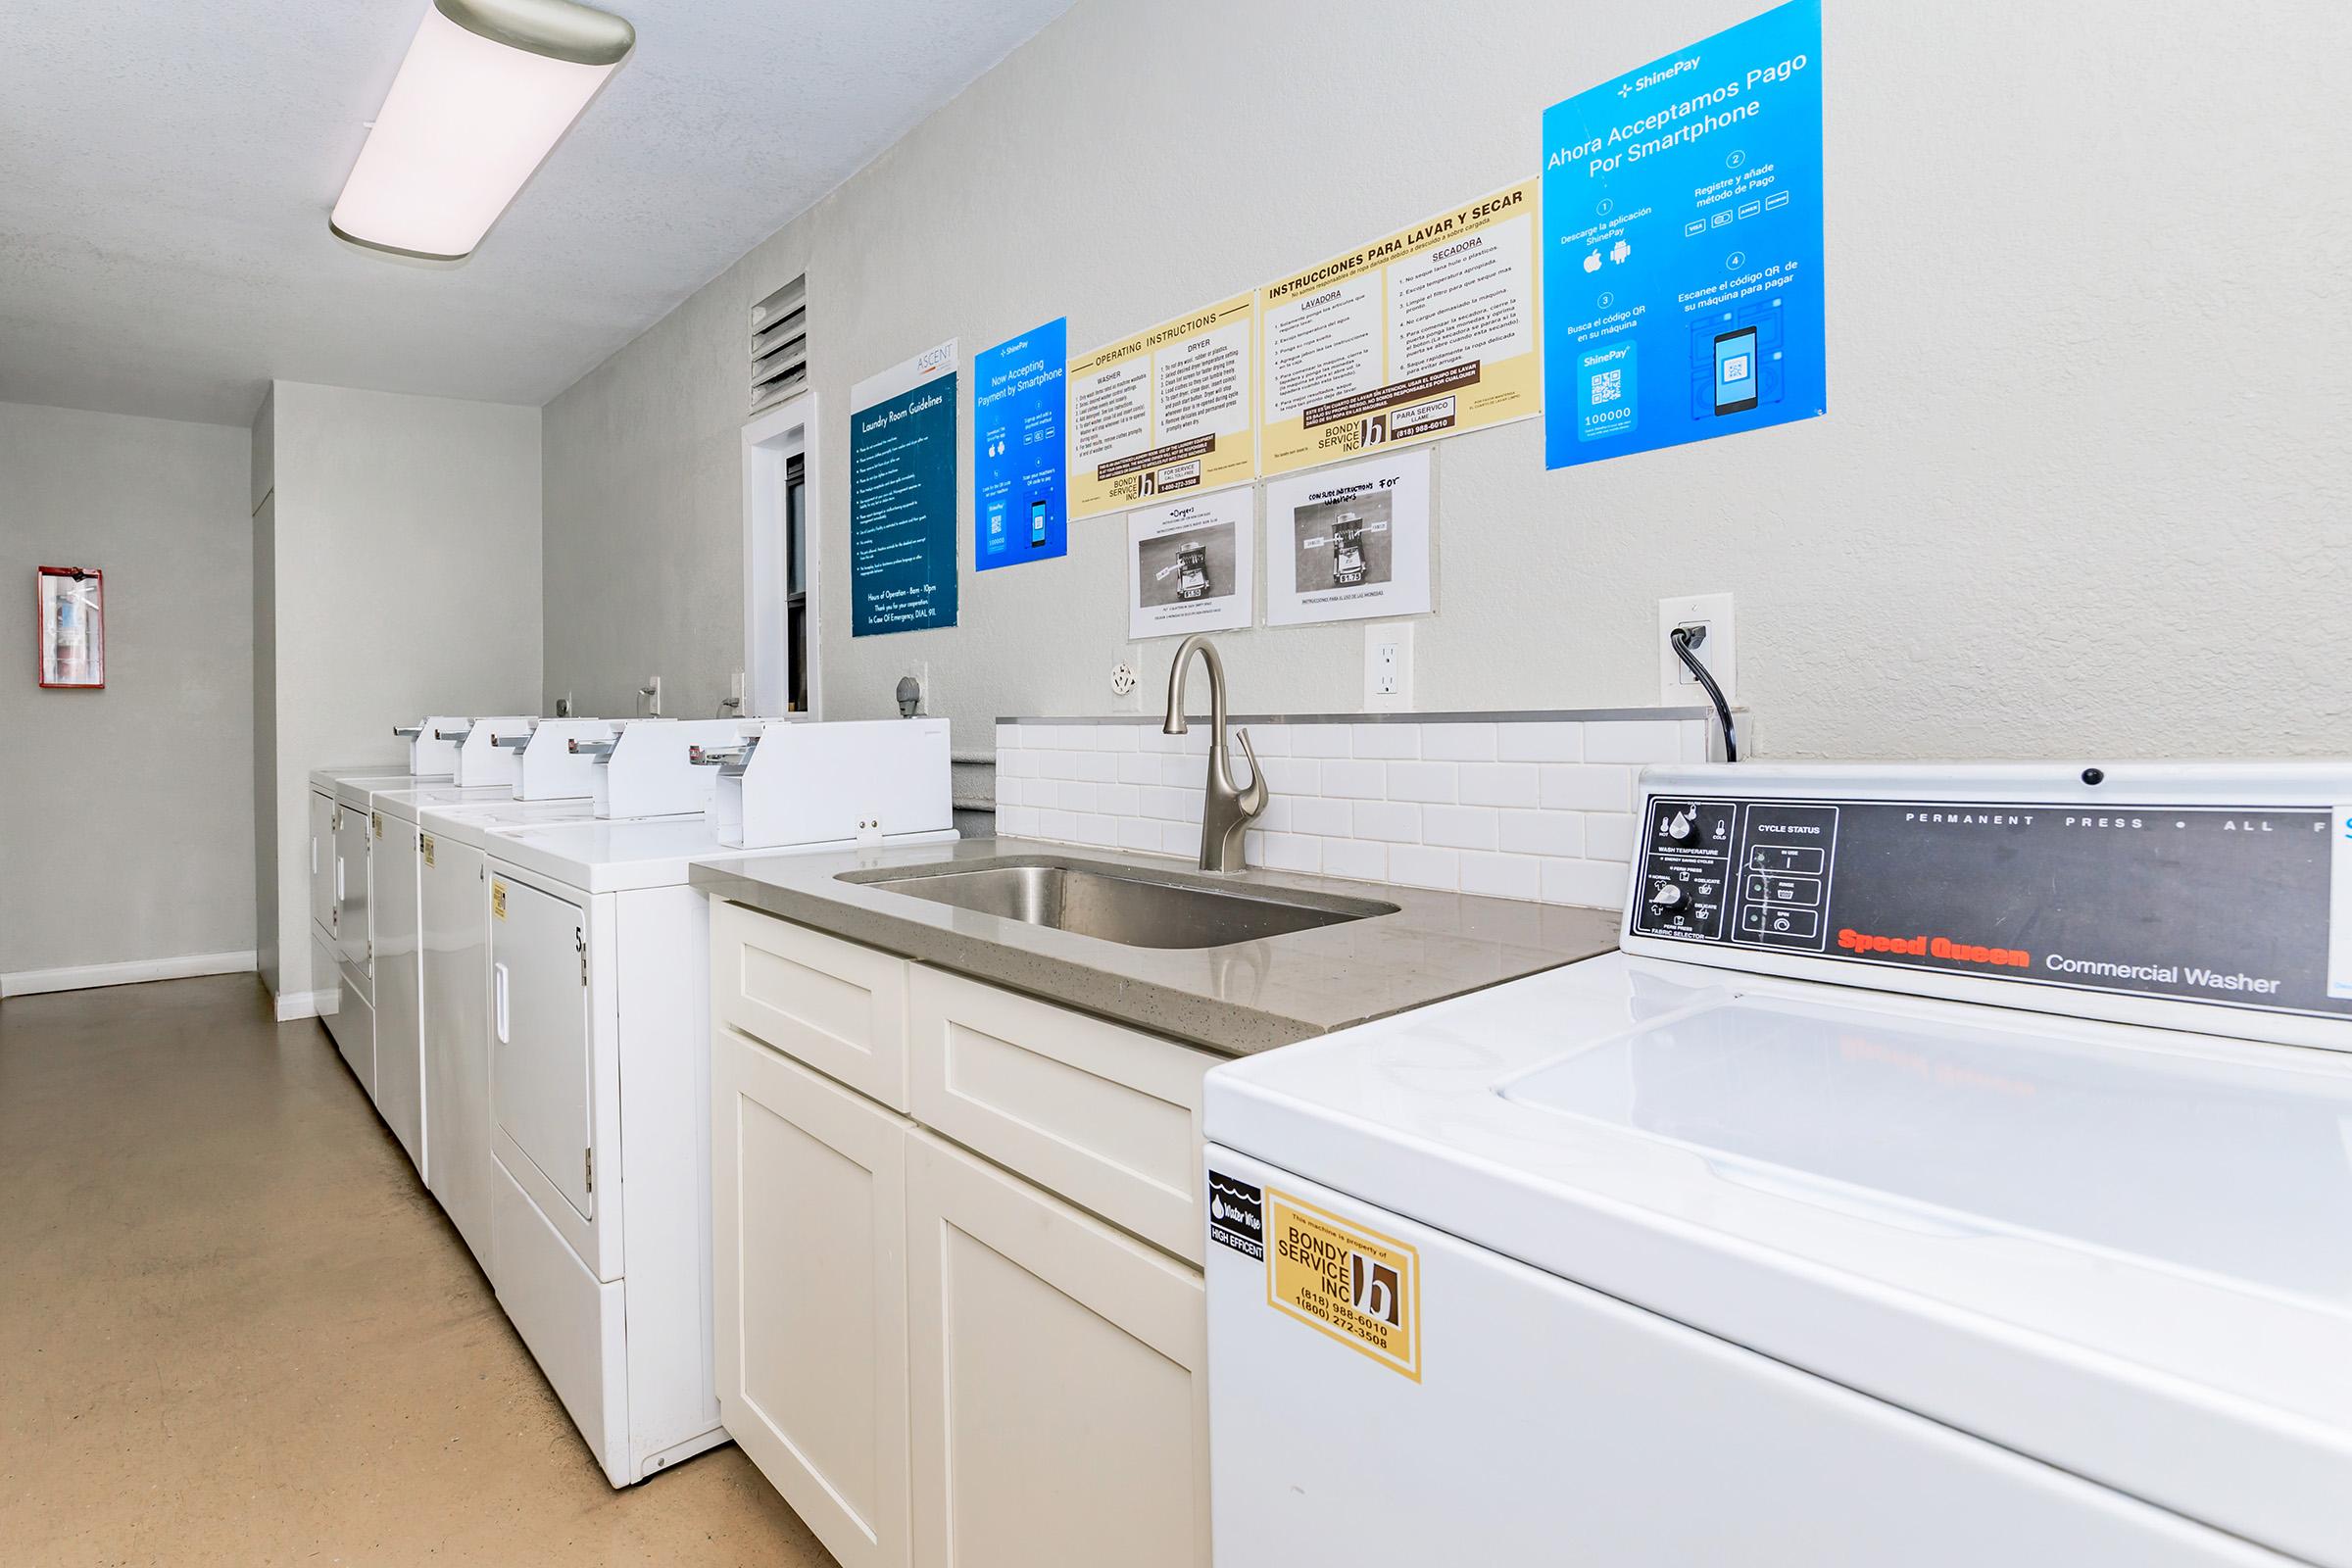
1425	334
1164	411
1189	567
1361	1288
1348	543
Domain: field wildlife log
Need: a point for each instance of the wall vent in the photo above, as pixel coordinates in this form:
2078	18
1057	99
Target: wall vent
780	345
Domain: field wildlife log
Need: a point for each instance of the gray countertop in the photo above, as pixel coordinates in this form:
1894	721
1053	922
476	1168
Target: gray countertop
1242	998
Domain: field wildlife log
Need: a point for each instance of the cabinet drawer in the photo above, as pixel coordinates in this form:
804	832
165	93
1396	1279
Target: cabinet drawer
1104	1116
838	1006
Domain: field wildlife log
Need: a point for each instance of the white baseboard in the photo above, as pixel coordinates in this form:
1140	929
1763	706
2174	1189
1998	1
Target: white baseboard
33	982
293	1005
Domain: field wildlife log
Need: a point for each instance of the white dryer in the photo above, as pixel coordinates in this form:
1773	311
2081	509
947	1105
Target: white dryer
1953	1167
601	1120
453	987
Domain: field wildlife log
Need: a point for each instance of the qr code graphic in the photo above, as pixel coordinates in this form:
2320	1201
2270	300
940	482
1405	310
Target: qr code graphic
1609	385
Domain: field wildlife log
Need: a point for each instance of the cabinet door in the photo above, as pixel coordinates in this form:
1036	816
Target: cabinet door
809	1220
1059	1373
399	989
456	902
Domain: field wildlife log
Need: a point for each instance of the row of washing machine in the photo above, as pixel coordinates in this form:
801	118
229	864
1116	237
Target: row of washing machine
520	983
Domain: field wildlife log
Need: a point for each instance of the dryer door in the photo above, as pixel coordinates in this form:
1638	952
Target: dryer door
540	1066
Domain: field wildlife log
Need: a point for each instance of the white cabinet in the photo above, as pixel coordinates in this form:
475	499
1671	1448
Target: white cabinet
1059	1380
811	1276
1107	1117
838	1006
937	1359
455	895
399	988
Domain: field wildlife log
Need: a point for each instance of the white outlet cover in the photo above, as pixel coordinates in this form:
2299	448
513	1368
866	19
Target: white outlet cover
1677	686
1123	678
1378	638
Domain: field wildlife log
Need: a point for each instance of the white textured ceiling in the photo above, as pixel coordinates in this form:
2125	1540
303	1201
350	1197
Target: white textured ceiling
167	168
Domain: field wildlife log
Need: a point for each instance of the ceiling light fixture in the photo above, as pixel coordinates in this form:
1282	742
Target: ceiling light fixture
488	88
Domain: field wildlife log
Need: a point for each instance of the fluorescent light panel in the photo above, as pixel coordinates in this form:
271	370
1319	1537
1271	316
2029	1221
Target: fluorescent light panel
488	88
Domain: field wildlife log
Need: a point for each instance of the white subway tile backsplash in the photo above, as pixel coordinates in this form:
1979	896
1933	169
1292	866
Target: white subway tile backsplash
1460	827
1417	866
1291	775
1636	740
1423	781
1609	836
1356	781
1313	813
1586	787
1541	741
1502	876
1595	883
1535	809
1354	857
1560	833
1386	741
1267	740
1457	742
1290	852
1319	740
1498	784
1387	821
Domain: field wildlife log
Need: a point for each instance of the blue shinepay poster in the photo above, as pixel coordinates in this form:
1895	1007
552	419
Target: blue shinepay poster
1682	246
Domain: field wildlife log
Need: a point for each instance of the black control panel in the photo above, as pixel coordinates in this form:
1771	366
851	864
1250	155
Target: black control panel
2228	905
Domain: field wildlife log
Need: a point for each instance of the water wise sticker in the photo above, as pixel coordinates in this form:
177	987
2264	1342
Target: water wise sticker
1361	1288
1236	1216
498	899
424	843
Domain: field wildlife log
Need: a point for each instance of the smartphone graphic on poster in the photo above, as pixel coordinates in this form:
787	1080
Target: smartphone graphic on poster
1736	370
1037	525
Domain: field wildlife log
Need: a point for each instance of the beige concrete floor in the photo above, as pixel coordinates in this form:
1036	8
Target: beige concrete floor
234	1328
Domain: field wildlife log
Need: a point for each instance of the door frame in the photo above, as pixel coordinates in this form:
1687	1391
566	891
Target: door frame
770	441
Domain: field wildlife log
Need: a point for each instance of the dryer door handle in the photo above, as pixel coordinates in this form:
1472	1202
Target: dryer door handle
498	1004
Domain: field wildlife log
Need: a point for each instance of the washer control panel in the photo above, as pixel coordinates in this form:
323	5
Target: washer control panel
2225	905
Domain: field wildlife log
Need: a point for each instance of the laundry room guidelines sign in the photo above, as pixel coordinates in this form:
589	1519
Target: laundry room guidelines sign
903	496
1683	246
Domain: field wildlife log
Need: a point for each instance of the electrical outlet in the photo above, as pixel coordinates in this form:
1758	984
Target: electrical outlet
1719	650
1122	679
1388	667
735	689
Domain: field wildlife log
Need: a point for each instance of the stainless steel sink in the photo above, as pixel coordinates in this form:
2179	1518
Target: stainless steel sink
1114	903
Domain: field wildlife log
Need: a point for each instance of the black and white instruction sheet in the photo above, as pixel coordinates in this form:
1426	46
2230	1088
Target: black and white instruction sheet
1348	543
1189	567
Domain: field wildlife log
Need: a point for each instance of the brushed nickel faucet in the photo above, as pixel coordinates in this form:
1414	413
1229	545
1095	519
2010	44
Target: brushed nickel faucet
1227	809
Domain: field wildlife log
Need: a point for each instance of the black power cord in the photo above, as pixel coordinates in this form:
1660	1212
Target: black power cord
1684	639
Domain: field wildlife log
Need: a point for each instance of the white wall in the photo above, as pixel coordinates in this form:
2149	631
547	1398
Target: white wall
2080	490
265	695
404	539
126	814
